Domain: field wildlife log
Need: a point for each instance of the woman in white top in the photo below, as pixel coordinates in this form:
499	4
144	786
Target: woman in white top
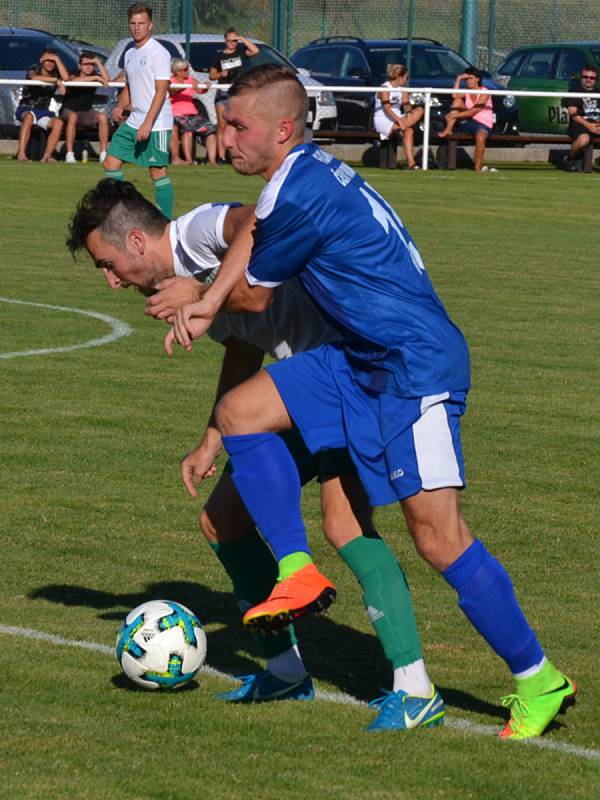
394	115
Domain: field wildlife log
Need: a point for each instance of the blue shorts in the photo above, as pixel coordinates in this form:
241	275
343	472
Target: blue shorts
472	126
399	445
41	115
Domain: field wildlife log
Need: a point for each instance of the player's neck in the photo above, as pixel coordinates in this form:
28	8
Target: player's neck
143	42
280	158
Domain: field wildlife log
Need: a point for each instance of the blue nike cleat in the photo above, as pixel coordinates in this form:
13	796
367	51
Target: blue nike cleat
262	687
399	711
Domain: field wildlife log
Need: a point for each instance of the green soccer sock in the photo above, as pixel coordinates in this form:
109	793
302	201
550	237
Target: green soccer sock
163	192
115	174
252	568
386	597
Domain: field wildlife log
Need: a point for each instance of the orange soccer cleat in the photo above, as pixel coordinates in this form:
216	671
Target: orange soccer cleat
304	592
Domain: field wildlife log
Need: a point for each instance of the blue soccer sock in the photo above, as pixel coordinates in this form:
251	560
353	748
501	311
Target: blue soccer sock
487	598
267	479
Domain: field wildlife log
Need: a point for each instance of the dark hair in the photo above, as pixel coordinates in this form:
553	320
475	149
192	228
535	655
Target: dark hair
230	30
113	208
139	8
589	68
476	73
86	54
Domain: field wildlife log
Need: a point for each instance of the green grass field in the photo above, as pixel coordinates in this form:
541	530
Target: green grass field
94	519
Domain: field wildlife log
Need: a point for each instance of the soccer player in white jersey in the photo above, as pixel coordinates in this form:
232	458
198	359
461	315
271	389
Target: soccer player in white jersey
173	263
393	390
144	137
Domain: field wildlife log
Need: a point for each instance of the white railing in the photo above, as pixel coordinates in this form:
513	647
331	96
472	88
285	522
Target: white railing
426	91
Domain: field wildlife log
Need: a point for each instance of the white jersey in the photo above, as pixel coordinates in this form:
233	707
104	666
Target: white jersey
143	67
291	324
395	95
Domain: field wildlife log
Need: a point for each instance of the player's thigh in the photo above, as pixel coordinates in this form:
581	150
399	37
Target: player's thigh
224	518
255	406
345	508
437	526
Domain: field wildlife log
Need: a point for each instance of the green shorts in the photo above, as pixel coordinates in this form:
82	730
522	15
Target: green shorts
154	152
322	466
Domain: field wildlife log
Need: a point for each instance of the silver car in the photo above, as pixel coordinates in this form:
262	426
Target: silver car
203	49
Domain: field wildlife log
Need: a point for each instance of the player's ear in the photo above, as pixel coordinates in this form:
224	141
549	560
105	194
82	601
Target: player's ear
285	131
136	241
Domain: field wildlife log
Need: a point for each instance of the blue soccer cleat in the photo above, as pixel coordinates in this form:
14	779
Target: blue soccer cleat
399	711
262	687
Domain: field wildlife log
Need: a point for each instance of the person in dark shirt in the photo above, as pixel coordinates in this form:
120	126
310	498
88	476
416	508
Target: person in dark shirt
229	64
584	114
77	108
35	105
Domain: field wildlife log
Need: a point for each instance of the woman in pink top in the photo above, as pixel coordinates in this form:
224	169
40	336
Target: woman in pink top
189	117
472	112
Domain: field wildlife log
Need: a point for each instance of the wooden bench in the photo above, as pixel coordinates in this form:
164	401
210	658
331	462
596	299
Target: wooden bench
388	157
454	140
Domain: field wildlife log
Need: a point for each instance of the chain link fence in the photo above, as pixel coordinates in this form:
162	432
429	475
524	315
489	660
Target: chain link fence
498	25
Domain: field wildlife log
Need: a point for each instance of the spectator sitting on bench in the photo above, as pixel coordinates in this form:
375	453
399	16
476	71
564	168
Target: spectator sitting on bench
189	117
584	114
77	108
472	112
394	114
36	101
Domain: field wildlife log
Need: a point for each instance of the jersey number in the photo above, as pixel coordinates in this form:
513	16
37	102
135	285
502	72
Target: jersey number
388	218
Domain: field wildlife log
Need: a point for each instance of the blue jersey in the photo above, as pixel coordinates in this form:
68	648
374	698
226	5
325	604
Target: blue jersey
319	220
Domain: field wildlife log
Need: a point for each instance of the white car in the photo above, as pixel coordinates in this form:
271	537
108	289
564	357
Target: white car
203	48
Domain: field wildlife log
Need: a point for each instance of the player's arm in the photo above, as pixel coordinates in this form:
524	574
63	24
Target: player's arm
160	93
174	293
240	362
123	102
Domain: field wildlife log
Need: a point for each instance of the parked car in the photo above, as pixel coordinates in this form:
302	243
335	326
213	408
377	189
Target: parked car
203	48
85	47
545	67
353	62
19	49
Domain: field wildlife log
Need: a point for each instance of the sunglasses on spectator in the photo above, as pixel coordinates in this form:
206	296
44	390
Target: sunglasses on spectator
589	77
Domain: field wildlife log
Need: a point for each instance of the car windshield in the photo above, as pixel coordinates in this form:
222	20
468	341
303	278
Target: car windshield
427	62
202	55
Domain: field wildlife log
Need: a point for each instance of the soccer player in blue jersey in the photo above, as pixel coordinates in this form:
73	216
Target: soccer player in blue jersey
392	391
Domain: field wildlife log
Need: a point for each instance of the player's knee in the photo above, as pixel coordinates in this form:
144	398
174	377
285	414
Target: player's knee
207	527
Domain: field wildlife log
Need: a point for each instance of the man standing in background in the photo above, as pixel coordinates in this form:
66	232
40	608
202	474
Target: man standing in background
144	138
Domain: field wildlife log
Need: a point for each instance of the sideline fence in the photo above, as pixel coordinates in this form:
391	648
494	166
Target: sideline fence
427	92
495	26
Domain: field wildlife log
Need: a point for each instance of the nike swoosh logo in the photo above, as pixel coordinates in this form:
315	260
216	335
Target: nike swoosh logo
565	685
413	722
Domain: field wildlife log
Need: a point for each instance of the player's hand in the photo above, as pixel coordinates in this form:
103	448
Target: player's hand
144	131
195	467
173	293
189	323
117	114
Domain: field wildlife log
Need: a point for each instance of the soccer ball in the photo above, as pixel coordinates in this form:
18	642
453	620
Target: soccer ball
161	645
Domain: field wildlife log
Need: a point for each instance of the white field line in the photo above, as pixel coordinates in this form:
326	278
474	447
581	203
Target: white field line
118	329
457	723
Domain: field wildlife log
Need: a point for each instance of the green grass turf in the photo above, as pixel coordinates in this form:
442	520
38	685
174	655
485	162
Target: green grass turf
94	519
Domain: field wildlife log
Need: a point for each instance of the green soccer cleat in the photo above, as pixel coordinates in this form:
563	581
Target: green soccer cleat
539	699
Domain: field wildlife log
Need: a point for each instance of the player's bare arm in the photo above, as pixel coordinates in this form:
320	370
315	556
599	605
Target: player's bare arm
122	103
241	360
160	94
192	321
174	293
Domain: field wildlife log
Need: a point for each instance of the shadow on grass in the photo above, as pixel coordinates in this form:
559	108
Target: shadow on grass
351	660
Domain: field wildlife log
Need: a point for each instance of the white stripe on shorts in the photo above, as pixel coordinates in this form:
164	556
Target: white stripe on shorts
434	447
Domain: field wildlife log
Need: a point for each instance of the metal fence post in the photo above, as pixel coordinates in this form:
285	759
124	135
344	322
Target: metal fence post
491	35
468	34
425	159
410	32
